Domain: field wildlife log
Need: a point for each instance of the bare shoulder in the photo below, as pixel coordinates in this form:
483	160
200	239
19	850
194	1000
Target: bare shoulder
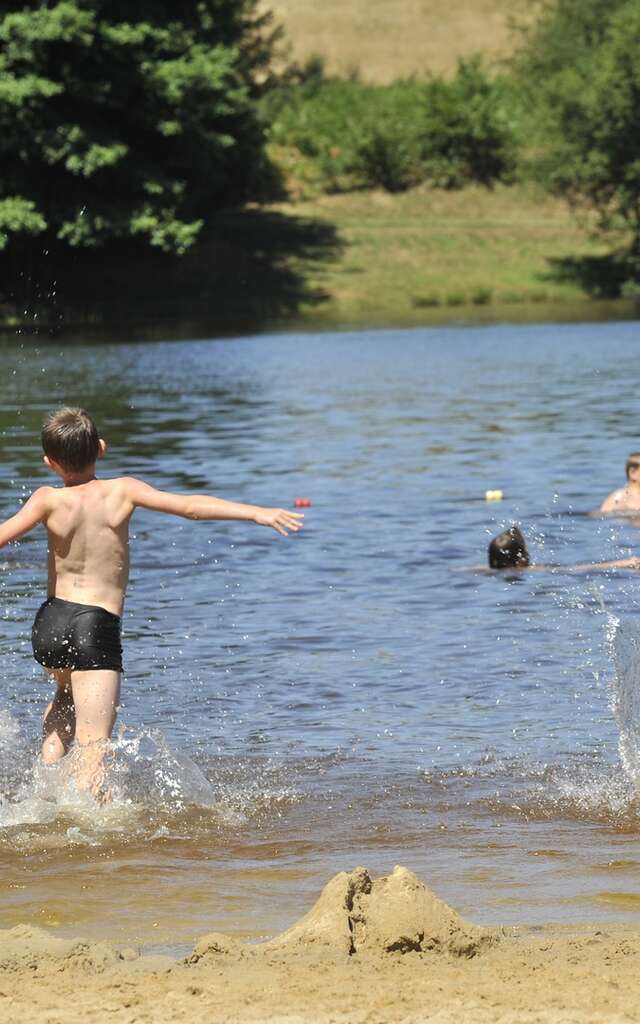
112	482
39	505
123	485
620	494
617	499
132	486
142	494
44	498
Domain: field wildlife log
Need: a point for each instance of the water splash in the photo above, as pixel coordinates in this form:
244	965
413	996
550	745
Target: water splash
154	792
143	770
14	754
603	792
583	787
147	781
624	642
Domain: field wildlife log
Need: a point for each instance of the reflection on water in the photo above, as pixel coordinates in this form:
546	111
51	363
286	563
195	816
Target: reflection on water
295	707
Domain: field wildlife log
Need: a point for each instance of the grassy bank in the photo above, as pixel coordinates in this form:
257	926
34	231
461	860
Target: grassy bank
432	250
360	259
384	41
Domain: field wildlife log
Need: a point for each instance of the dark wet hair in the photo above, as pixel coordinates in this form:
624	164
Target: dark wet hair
70	438
632	462
508	550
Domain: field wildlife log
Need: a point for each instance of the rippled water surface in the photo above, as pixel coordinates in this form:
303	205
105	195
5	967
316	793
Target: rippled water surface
352	694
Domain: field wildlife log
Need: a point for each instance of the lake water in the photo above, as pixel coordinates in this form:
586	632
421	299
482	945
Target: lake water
350	695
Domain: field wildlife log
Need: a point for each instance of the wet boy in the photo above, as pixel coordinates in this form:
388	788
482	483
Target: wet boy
509	551
627	498
76	633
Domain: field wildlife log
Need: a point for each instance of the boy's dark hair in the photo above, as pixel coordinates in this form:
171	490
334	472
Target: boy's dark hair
70	438
508	550
632	462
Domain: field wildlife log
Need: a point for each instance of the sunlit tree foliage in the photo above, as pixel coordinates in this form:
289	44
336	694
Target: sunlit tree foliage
123	120
580	68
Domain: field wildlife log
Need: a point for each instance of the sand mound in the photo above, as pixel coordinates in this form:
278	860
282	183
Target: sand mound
34	948
357	916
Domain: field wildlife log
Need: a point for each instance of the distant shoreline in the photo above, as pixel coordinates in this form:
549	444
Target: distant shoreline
147	328
359	260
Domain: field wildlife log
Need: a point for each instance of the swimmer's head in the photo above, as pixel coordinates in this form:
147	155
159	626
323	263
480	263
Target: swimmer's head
70	440
508	550
633	463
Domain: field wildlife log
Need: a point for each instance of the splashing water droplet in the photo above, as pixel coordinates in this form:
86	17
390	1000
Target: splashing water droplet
625	699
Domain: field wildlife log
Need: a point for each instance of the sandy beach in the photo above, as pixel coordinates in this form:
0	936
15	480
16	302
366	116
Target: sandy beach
375	950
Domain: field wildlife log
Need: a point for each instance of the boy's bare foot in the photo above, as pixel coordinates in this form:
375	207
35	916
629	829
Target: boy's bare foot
88	768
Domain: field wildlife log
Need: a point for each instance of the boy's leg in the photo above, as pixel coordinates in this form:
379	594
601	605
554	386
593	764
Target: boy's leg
59	725
96	693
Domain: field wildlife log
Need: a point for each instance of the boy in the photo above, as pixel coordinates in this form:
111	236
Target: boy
509	551
76	633
626	499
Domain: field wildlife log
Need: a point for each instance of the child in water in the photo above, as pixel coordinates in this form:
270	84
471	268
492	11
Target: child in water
509	551
626	499
76	633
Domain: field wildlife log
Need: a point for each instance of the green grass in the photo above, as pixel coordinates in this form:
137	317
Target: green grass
430	250
360	259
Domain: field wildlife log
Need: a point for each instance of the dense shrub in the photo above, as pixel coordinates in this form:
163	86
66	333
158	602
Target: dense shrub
579	69
396	136
470	131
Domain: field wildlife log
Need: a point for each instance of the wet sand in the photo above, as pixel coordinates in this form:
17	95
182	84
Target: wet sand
370	950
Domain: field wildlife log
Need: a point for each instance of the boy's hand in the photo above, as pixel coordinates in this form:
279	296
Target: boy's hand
279	519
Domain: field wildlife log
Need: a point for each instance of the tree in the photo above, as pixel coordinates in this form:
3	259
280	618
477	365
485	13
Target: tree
123	121
581	70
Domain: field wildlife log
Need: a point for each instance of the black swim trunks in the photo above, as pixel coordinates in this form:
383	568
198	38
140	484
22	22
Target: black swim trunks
76	636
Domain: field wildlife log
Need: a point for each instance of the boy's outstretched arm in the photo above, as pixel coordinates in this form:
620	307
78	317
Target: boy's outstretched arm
202	506
616	563
34	511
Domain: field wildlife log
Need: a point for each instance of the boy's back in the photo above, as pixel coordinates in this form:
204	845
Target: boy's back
88	531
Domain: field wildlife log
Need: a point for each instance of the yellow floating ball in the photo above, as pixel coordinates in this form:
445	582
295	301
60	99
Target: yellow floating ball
494	495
